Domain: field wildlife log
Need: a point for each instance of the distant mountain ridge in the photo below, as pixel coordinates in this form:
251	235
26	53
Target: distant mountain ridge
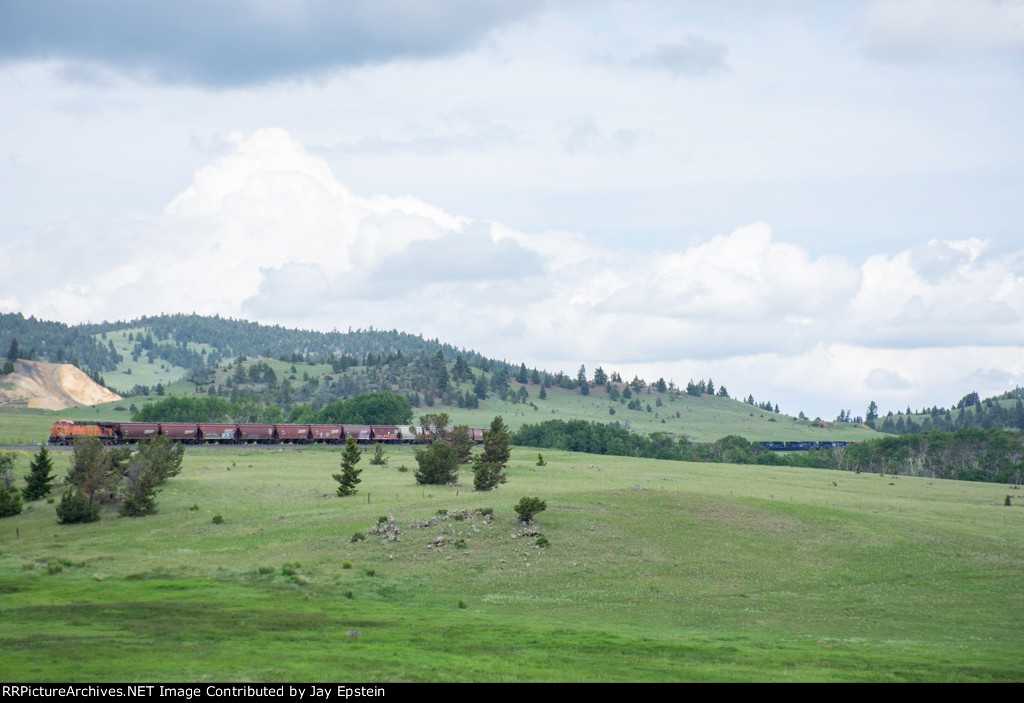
229	338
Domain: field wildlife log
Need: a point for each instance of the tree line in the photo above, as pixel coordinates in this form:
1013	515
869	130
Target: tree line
992	455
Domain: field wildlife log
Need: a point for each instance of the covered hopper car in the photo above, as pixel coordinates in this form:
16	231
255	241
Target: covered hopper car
65	432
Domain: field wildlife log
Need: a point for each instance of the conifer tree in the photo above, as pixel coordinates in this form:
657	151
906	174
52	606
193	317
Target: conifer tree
489	467
348	479
39	478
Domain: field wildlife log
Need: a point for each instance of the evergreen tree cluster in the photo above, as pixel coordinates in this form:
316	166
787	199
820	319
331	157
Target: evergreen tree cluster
131	479
970	412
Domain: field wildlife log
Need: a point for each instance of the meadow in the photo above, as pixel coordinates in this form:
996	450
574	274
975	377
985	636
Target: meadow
653	571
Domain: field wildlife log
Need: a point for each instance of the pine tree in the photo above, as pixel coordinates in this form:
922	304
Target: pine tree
39	479
349	476
488	468
158	459
462	442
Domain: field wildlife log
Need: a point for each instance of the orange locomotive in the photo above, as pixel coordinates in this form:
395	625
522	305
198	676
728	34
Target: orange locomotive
65	431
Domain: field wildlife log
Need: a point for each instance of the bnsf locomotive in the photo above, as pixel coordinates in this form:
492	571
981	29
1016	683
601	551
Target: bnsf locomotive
65	431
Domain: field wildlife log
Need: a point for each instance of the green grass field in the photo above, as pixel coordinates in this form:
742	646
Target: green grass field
655	571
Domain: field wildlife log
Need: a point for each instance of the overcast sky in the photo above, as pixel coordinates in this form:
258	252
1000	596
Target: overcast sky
818	203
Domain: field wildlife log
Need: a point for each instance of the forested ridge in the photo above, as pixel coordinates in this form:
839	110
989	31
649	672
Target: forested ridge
228	358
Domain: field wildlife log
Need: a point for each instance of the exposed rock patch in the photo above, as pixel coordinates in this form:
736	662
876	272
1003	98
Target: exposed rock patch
37	384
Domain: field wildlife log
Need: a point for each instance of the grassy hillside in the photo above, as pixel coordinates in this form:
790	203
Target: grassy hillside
655	570
702	419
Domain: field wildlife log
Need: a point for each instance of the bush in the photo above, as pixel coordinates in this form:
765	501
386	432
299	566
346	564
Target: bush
218	519
526	508
10	502
73	508
357	537
378	456
437	465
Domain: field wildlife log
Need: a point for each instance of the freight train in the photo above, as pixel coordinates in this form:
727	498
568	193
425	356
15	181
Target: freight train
65	431
804	446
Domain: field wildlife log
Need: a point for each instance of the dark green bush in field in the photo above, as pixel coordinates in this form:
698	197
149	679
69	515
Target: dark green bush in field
437	464
378	456
526	508
73	507
10	502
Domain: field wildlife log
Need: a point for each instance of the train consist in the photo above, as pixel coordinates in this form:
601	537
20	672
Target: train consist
65	431
803	446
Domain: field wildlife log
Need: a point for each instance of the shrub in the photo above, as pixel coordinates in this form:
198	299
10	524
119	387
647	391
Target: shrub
1007	501
540	460
218	519
526	508
346	565
462	605
357	537
542	542
437	465
487	511
10	502
378	456
461	544
369	572
73	508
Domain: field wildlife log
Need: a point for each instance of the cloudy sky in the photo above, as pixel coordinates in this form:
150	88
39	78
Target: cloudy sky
818	203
